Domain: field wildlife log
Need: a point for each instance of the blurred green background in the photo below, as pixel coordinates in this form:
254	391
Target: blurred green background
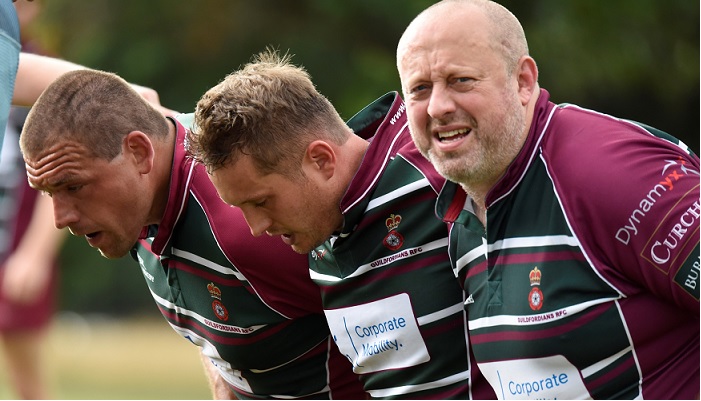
636	59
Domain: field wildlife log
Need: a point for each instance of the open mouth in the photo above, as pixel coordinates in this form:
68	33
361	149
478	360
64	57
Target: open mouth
287	239
92	238
452	136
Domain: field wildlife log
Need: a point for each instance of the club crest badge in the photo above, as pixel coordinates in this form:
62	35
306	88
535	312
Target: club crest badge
217	306
318	254
393	240
535	297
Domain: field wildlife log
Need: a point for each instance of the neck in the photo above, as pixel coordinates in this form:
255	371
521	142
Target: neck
478	200
352	153
163	165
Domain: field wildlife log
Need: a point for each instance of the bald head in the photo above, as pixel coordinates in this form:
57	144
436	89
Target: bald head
469	86
470	20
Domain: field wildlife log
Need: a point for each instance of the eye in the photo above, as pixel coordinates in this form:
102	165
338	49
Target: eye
418	89
466	82
260	203
73	188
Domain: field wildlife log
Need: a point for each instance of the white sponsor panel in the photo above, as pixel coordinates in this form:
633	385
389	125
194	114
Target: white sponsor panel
232	376
548	378
379	335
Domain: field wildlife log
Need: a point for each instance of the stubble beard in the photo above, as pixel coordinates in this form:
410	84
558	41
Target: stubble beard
496	145
319	222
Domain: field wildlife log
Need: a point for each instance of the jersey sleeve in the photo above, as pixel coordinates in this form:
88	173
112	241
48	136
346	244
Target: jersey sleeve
632	200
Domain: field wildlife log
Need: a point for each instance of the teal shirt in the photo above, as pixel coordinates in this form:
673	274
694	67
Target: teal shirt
9	59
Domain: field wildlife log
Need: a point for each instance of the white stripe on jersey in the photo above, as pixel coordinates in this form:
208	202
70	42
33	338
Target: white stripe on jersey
208	263
409	188
403	254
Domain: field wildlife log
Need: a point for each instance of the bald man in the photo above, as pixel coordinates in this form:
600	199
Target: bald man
569	295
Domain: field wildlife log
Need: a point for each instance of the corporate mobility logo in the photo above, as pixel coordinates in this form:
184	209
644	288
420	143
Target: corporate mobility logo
665	243
379	335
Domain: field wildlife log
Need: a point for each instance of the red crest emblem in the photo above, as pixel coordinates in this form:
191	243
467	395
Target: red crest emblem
220	310
535	298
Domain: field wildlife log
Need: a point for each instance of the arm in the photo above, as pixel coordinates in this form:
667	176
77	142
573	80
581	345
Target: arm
28	268
36	72
635	206
220	388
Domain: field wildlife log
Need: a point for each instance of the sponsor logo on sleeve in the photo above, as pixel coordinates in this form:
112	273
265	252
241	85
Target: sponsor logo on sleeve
671	173
674	230
663	248
688	277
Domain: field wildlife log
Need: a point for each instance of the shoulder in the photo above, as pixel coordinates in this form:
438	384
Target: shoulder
591	151
624	189
412	155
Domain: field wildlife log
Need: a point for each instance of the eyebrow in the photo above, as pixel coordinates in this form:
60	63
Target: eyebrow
53	183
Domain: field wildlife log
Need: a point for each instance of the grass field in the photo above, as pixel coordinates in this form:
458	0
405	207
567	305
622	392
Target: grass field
100	358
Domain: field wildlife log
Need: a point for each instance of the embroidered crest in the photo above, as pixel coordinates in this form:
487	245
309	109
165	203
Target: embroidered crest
535	276
218	307
535	297
214	291
393	240
220	310
318	254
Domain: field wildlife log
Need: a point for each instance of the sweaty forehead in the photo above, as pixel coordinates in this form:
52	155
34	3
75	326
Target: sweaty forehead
46	168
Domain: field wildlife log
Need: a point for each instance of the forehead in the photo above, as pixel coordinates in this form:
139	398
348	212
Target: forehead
448	33
51	166
241	182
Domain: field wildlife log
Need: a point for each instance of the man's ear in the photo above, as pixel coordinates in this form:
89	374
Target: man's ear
319	158
527	77
138	147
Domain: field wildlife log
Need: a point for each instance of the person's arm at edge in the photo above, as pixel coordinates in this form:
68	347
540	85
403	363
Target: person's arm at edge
36	72
219	387
28	268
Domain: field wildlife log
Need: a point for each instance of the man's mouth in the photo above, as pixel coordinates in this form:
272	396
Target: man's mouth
92	238
287	238
454	135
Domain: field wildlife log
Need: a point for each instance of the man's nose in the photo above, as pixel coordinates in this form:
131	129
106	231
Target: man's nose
440	103
64	214
257	223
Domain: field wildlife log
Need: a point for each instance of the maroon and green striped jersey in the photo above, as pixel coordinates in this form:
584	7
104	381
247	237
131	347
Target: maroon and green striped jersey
247	301
391	300
585	282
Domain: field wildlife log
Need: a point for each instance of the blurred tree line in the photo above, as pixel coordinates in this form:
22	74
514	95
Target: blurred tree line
636	59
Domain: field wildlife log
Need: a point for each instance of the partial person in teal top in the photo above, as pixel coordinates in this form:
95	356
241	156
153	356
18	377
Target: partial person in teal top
23	76
9	58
